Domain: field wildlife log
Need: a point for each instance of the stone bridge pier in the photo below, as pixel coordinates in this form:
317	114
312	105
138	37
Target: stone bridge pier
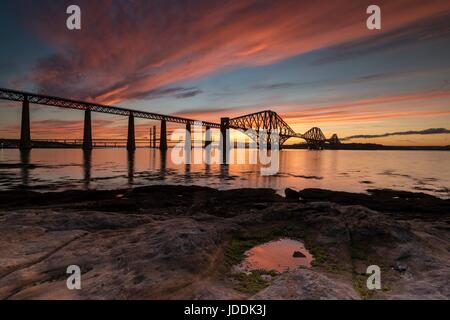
87	132
131	142
163	136
25	134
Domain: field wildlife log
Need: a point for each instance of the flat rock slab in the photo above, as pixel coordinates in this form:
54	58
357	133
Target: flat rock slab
307	284
169	243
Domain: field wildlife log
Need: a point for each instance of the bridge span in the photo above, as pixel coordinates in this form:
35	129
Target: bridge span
264	122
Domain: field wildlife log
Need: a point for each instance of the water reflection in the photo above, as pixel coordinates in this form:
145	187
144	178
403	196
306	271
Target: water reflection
87	168
207	161
224	171
25	166
163	163
187	173
152	157
59	169
130	161
280	255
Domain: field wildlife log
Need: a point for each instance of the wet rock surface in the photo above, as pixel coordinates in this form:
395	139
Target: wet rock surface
172	242
307	284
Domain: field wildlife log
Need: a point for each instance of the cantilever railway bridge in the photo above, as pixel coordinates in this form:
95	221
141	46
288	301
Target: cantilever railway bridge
265	121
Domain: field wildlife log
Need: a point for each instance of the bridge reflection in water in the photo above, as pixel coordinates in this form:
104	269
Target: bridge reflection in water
258	126
157	166
106	169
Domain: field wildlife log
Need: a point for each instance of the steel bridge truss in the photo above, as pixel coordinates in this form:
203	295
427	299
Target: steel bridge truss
268	121
259	125
264	122
12	95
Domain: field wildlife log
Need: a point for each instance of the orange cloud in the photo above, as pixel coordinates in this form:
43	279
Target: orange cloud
130	48
424	103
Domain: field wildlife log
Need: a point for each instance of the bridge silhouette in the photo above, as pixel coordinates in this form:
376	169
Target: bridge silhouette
257	126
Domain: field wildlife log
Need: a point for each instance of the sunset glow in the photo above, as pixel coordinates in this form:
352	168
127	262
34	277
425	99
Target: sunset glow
316	64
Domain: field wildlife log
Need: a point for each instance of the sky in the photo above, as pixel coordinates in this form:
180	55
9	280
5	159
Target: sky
314	62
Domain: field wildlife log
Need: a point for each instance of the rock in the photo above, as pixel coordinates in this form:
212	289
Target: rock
384	200
400	267
266	277
298	254
291	194
305	284
260	206
121	256
151	244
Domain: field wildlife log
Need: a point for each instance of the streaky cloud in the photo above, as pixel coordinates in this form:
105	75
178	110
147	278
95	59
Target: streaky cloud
129	48
177	92
274	86
401	133
429	28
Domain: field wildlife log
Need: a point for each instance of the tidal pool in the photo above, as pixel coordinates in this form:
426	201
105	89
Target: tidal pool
279	255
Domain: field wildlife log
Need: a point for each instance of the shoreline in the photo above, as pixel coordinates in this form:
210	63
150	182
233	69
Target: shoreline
385	200
177	242
372	147
382	148
13	144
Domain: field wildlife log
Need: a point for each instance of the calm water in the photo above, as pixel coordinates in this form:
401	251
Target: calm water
354	171
276	255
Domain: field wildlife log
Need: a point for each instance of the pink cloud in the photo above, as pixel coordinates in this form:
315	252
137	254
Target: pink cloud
127	49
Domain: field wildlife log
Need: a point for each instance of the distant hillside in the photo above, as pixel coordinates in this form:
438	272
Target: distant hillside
368	146
14	144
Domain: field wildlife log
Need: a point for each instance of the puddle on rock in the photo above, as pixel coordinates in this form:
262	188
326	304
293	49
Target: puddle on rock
279	255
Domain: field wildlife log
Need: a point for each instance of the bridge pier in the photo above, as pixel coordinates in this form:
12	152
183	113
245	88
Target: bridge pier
208	136
150	138
131	142
25	134
87	133
187	145
264	120
187	139
163	136
225	139
154	137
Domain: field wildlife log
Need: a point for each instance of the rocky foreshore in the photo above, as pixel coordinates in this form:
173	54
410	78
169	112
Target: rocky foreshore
174	242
